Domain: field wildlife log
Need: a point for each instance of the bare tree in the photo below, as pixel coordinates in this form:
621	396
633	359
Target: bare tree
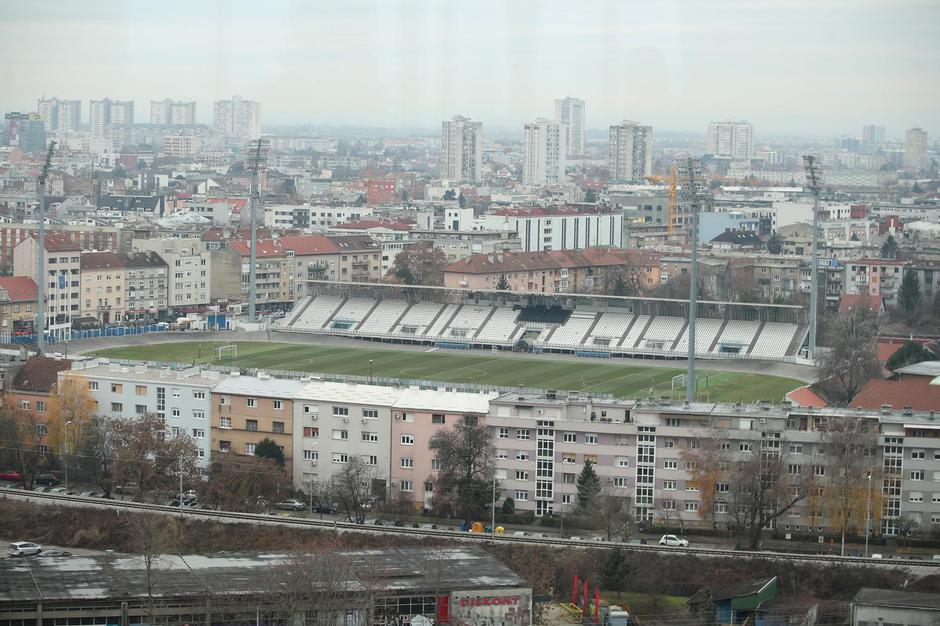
312	588
22	442
610	512
668	511
851	445
353	486
851	359
243	483
96	450
466	456
152	538
145	456
707	465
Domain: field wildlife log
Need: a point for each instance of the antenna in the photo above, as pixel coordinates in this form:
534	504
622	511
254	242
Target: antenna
41	277
255	163
813	181
693	171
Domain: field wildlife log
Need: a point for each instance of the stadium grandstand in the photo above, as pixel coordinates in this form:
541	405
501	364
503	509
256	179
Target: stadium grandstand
581	324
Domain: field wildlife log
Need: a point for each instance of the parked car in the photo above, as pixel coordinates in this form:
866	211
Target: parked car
55	553
672	540
324	508
11	476
291	505
24	548
46	479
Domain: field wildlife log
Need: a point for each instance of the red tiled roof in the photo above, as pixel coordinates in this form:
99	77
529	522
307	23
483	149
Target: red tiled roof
19	288
804	396
852	301
60	242
886	350
39	374
913	391
301	246
101	260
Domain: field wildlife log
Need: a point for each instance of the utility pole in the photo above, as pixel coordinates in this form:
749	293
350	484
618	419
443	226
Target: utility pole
868	515
811	165
693	168
41	277
255	163
181	484
493	510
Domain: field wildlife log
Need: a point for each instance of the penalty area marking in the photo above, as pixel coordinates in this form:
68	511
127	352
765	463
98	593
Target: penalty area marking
432	349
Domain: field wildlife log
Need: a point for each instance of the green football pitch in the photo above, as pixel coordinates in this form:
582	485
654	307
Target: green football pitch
544	371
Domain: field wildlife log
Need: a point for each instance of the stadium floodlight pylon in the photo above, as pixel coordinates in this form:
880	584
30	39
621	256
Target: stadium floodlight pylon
255	163
813	183
691	169
41	277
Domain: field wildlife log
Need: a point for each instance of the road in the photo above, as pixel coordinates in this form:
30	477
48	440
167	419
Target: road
803	373
916	568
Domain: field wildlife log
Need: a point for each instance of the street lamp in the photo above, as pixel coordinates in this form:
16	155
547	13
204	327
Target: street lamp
867	515
371	369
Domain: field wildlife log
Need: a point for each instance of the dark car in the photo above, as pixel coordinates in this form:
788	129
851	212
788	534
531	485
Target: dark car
59	553
46	479
324	508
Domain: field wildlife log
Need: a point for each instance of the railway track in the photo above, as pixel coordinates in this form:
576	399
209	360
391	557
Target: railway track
335	525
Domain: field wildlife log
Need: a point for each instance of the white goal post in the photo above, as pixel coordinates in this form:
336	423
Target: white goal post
229	350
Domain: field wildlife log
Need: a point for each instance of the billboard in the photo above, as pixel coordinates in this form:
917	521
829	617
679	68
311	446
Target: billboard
497	607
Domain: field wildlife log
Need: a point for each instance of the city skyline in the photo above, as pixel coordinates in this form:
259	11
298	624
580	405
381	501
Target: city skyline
327	68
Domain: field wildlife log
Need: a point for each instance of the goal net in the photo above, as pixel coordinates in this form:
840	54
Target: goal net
226	351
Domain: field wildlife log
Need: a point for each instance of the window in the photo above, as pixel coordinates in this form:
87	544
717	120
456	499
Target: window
407	440
370	459
340	411
672	421
918	454
340	457
117	388
623	461
340	435
819	470
251	424
522	475
916	496
223	400
249	448
722	487
503	433
225	446
569	479
744	447
199	395
670	464
721	507
437	419
435	464
370	414
312	432
590	438
199	433
566	498
621	481
140	390
225	422
669	485
502	454
407	462
199	415
669	505
117	407
522	455
278	405
522	433
93	385
521	496
917	475
570	437
311	455
794	469
251	403
796	449
176	412
277	427
691	466
691	507
407	486
568	458
140	409
689	486
370	437
669	443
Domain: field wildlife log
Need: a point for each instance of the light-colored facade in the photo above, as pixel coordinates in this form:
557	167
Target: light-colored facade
189	270
237	118
875	277
247	409
543	153
915	149
145	286
461	150
183	397
60	115
103	279
630	152
545	230
63	268
172	112
873	135
103	113
731	140
874	607
570	113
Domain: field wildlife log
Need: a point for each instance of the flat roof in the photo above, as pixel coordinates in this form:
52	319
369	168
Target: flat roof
119	576
113	371
924	368
264	386
900	599
398	397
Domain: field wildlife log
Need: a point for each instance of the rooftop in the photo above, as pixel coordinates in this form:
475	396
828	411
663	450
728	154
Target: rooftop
263	385
568	209
900	599
913	391
300	245
924	368
103	368
18	288
558	259
39	374
398	397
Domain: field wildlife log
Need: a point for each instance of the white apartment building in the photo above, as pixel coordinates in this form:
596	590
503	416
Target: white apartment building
915	149
172	112
731	140
559	228
183	397
237	118
188	270
570	113
543	153
630	152
62	278
60	115
103	113
461	150
181	145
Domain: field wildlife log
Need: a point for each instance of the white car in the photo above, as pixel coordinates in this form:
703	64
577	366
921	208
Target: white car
24	548
672	540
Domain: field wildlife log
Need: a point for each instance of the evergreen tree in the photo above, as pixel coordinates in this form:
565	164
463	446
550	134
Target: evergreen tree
775	244
890	248
509	506
909	297
590	196
615	571
589	485
268	449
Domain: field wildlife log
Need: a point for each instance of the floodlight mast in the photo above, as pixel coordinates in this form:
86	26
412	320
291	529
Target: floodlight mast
813	181
41	277
695	178
257	155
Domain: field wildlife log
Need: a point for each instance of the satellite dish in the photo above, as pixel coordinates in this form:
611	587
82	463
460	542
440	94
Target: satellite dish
420	620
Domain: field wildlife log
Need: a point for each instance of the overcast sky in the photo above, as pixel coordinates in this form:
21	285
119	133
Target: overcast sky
821	67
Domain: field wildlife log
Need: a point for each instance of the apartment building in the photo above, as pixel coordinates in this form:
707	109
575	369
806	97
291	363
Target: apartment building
876	277
17	304
85	237
461	150
181	397
630	152
62	278
189	271
145	286
566	227
569	112
172	112
237	118
247	409
543	152
360	258
103	277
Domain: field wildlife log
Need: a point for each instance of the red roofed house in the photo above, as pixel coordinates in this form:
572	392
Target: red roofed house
807	396
17	304
916	386
380	191
854	301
